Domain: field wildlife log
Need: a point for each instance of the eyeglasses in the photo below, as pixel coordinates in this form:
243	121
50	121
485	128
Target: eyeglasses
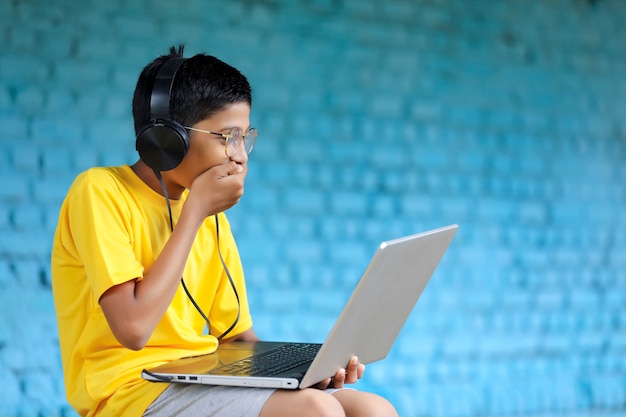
234	137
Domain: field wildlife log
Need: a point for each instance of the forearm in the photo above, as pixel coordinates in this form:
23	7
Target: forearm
154	293
134	309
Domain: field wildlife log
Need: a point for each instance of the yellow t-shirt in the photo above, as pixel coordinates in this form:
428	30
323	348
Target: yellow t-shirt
111	228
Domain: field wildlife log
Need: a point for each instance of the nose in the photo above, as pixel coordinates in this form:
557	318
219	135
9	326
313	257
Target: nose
240	156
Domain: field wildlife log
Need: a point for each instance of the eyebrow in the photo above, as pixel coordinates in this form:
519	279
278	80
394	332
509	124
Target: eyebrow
233	127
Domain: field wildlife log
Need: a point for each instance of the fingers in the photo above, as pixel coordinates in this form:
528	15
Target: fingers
217	189
350	375
354	371
230	168
326	383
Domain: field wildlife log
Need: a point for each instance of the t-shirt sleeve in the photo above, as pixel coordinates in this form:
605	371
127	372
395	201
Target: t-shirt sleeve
99	224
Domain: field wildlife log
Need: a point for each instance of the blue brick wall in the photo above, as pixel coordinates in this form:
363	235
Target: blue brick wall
377	119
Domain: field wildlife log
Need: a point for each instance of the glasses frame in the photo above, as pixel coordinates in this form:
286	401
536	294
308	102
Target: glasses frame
231	138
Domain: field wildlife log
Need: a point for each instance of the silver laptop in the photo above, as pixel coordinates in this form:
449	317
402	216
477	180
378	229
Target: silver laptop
368	326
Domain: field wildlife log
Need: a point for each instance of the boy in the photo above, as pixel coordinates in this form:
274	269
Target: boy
143	260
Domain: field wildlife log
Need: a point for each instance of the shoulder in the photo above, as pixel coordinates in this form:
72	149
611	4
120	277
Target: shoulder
98	178
97	184
99	175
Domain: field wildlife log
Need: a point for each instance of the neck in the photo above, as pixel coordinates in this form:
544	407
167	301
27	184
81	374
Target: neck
148	176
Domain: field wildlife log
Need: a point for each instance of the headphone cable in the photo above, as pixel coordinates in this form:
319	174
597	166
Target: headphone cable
182	280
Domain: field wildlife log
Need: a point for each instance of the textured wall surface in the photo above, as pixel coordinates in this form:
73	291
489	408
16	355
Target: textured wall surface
377	119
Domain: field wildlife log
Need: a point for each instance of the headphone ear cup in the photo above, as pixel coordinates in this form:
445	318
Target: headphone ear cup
162	144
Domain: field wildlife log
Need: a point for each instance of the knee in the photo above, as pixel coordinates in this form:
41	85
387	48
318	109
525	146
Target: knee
365	404
379	407
320	404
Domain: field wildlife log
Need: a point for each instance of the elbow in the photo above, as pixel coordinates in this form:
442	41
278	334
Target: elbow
131	335
134	344
131	323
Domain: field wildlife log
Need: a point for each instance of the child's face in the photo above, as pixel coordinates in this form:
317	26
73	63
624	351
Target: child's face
207	150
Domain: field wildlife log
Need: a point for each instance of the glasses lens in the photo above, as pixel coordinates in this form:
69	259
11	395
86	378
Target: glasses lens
250	138
233	142
235	138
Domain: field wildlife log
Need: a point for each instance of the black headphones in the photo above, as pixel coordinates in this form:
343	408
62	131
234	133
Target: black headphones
163	143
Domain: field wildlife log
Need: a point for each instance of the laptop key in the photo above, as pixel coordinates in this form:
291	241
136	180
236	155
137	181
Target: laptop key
270	363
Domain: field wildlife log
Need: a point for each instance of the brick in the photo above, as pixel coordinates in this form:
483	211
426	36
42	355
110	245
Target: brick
10	393
258	278
56	130
107	132
83	160
116	106
5	98
56	161
81	73
415	206
392	156
326	301
266	149
125	78
304	201
272	98
337	227
58	101
59	45
24	69
5	165
13	127
5	217
255	251
98	49
26	217
39	388
13	190
353	204
533	212
30	99
425	110
287	302
347	102
383	206
455	208
91	106
7	278
303	251
313	276
51	215
118	156
23	244
386	106
433	159
584	300
349	253
28	273
24	159
607	391
498	211
276	172
551	300
304	175
51	191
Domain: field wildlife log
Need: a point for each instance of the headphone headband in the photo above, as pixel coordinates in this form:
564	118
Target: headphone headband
162	89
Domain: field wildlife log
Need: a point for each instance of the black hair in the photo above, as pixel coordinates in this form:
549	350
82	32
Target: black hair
203	85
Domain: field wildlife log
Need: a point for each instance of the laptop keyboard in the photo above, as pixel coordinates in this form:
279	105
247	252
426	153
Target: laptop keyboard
272	362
